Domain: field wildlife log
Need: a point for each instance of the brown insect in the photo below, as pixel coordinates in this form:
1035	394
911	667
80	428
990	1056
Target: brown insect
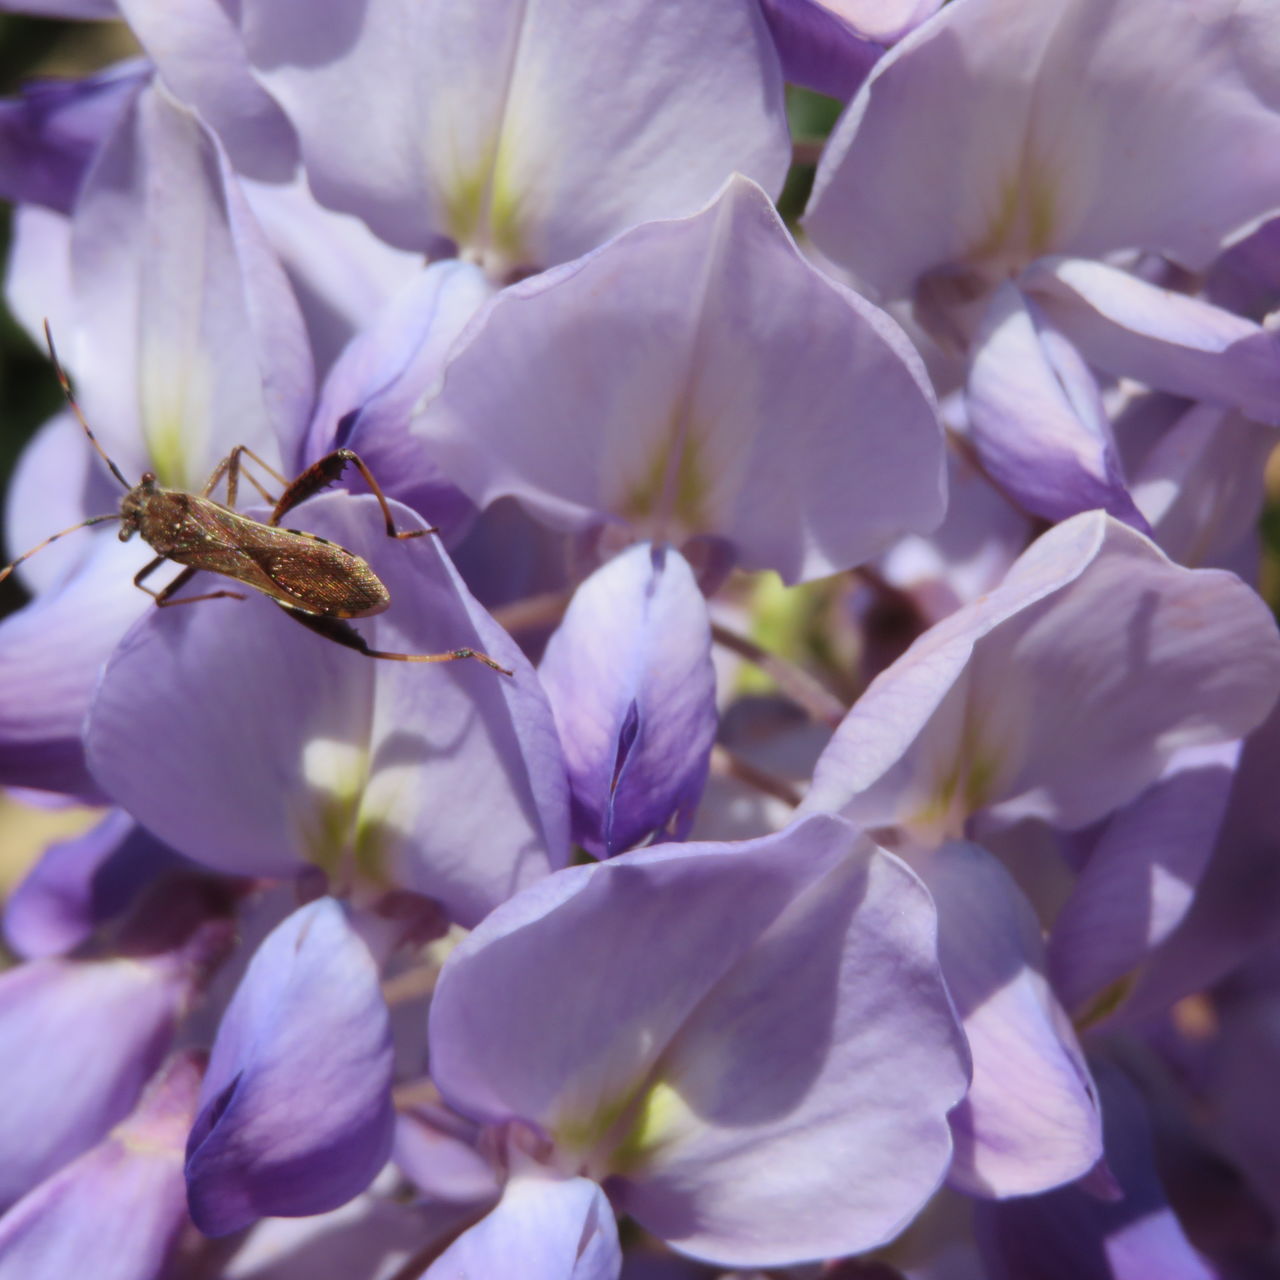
316	582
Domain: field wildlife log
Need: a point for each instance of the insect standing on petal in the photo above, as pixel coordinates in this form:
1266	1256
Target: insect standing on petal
316	582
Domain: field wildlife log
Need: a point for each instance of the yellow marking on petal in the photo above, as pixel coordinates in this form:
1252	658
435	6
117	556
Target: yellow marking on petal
1023	225
1104	1004
464	204
175	395
582	1134
970	783
673	487
168	458
506	205
660	1115
1041	213
328	818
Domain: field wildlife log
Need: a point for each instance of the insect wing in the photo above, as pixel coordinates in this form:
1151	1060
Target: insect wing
315	576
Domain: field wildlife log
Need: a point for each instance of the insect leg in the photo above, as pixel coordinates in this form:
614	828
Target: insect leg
163	597
325	472
231	468
343	633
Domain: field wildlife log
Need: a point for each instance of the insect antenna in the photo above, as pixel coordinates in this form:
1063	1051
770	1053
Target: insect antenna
40	546
65	383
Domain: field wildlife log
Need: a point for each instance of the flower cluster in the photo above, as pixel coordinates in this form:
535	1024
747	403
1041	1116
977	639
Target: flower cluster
863	858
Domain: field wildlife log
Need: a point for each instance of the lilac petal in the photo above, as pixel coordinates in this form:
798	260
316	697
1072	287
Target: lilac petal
383	373
1201	485
804	434
373	1236
1037	419
87	10
1073	1234
1237	901
1246	279
630	681
190	341
1067	129
340	271
116	1212
477	115
968	554
198	50
543	1228
884	20
78	1041
295	1110
819	48
644	1078
854	1061
1141	875
52	130
37	284
51	653
1030	1120
1238	1077
58	481
446	779
1095	649
489	1054
1167	340
444	1166
78	884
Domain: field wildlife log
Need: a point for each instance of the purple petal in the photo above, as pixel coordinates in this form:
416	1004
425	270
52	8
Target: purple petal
190	340
80	883
295	1109
1201	485
37	283
1037	418
1030	1120
804	434
88	10
819	48
968	554
1074	1235
116	1212
372	1236
1061	694
543	1229
643	1078
630	681
59	481
1141	875
884	20
442	1164
383	373
477	115
1001	131
854	1062
52	130
342	274
198	50
78	1041
446	779
51	653
1246	279
1237	901
1167	340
